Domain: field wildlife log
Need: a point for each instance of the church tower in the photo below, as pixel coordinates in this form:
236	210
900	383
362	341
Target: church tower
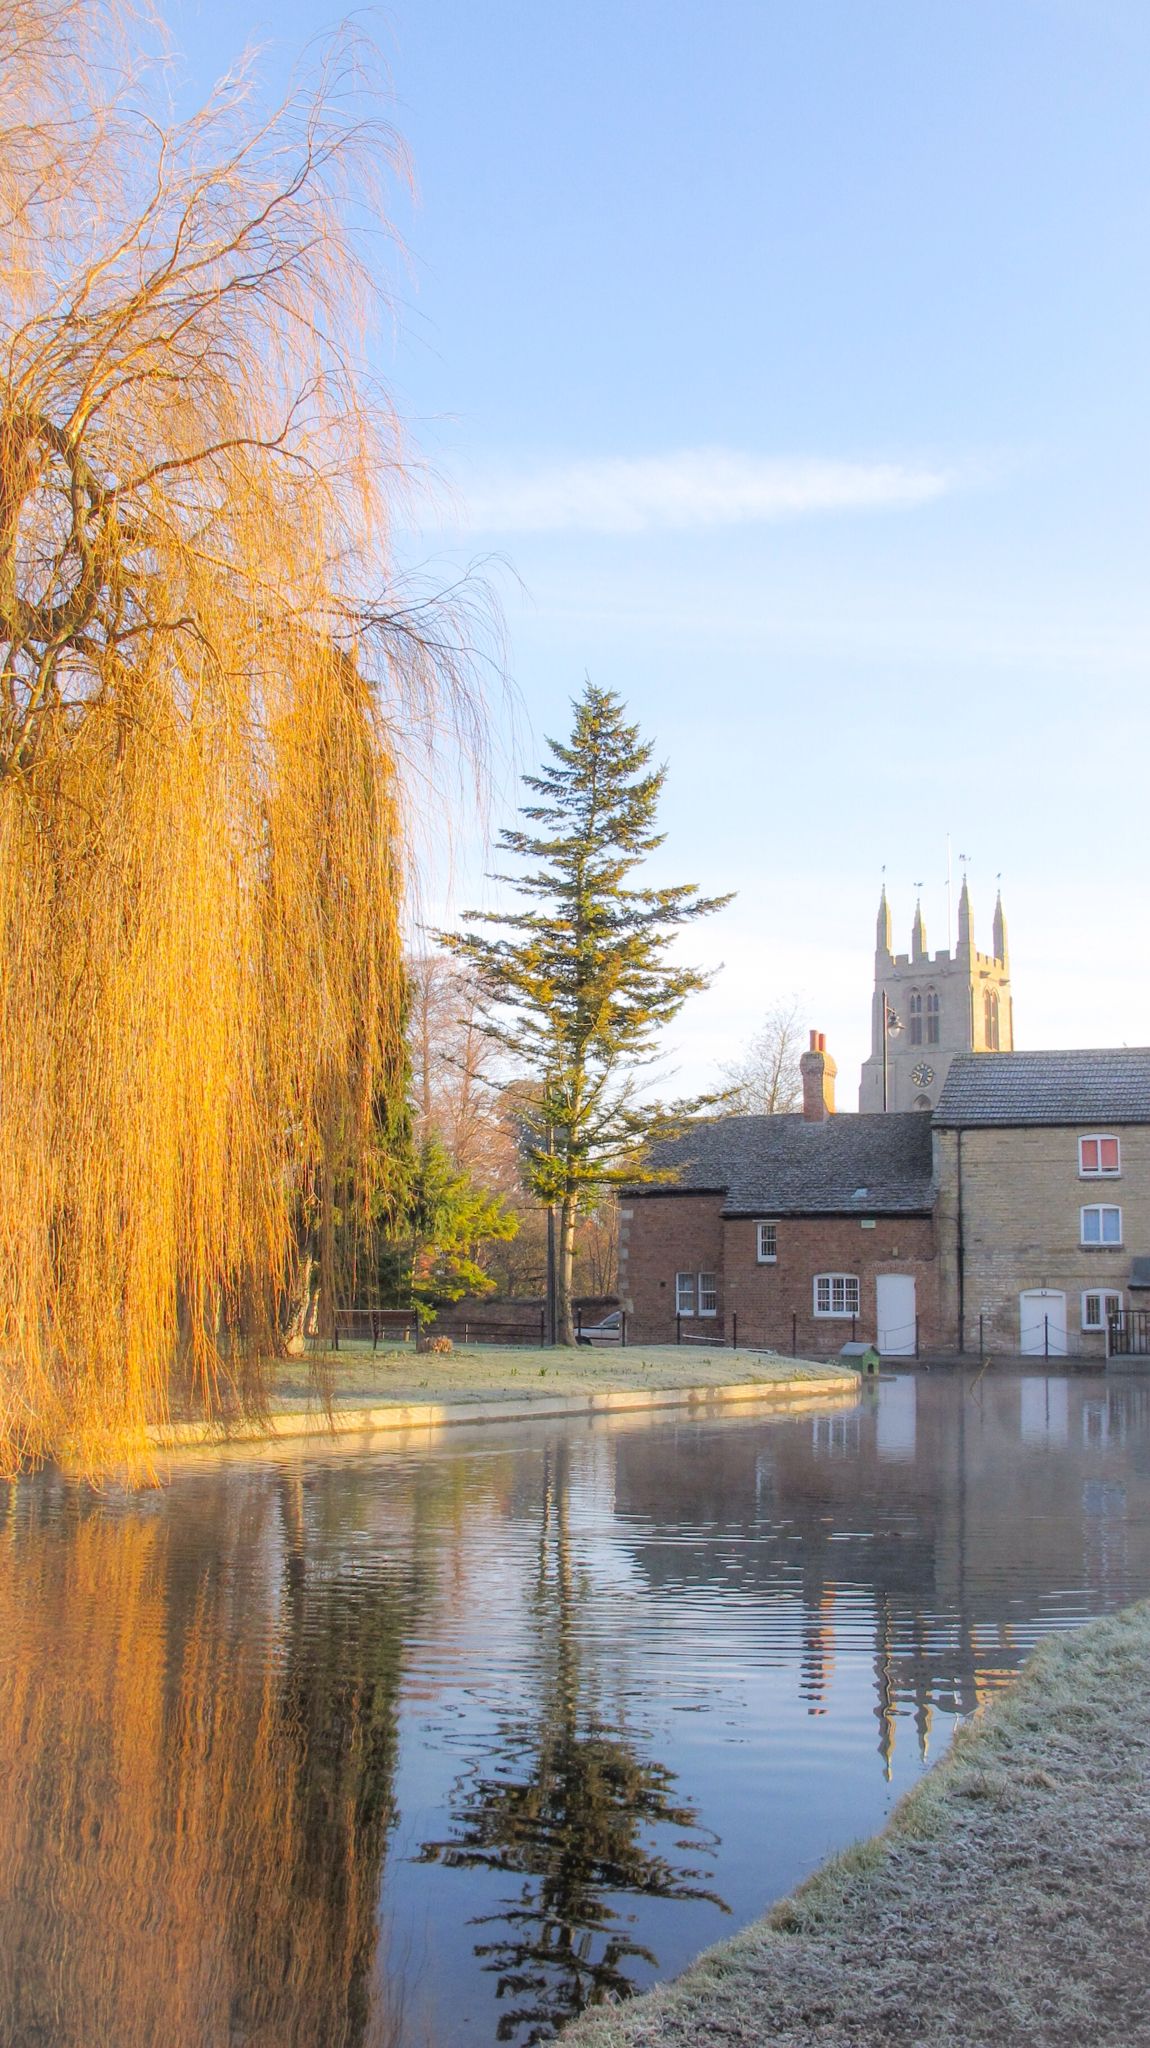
934	1008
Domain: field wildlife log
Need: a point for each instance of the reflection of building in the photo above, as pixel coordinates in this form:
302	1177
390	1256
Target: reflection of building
940	1564
943	1005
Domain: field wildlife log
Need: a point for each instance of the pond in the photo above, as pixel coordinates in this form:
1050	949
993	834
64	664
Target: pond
423	1748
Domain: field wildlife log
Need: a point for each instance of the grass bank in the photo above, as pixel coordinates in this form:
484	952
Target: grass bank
1006	1903
404	1389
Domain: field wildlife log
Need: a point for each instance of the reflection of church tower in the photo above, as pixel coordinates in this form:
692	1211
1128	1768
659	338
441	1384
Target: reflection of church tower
955	1002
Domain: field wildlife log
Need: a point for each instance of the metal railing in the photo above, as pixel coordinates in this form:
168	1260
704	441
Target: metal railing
400	1326
1128	1333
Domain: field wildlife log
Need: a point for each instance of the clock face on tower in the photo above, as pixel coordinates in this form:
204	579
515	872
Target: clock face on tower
922	1075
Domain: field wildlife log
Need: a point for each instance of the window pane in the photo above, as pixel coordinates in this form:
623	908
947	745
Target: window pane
685	1294
823	1295
1111	1226
767	1241
1088	1152
1091	1312
708	1294
1108	1154
1092	1226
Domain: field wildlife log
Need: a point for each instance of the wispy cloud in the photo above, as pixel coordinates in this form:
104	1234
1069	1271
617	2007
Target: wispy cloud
695	488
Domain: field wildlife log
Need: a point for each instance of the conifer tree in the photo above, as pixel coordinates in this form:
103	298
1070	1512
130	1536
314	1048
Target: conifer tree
579	982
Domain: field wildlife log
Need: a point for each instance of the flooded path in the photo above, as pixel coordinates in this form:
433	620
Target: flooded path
338	1751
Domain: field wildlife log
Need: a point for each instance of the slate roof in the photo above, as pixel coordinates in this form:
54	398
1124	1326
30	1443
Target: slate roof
1111	1086
785	1166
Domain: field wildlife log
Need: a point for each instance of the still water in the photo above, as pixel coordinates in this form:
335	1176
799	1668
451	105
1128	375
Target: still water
405	1750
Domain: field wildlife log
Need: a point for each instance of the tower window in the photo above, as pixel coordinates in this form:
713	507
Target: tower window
932	1017
914	1009
990	1010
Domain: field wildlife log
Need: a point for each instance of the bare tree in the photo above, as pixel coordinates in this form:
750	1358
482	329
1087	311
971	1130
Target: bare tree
457	1073
766	1080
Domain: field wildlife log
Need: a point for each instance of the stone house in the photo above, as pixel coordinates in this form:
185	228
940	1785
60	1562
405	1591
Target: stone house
792	1232
1042	1168
1015	1217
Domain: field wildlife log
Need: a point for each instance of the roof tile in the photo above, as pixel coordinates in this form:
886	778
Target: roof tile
783	1165
1108	1086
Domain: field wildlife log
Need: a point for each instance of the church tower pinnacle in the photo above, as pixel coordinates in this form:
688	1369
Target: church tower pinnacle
882	928
931	1007
1000	952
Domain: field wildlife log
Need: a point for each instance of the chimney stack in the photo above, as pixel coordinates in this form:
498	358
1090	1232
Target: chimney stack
818	1071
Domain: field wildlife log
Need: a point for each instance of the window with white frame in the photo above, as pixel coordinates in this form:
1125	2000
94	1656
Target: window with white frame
684	1294
708	1295
1101	1224
1098	1307
768	1243
1098	1157
836	1294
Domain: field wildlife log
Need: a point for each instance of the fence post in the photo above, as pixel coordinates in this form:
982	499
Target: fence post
678	1327
335	1329
981	1340
854	1320
734	1329
916	1336
1046	1336
794	1333
578	1323
542	1327
623	1329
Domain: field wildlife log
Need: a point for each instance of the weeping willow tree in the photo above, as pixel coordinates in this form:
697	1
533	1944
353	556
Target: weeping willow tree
208	687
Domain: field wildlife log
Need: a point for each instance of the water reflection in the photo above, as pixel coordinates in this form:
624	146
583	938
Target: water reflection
564	1798
375	1752
192	1834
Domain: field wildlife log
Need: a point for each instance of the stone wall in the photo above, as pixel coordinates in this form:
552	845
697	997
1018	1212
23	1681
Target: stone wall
1021	1228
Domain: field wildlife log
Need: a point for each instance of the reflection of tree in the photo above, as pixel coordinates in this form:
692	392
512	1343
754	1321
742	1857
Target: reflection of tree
564	1800
200	1736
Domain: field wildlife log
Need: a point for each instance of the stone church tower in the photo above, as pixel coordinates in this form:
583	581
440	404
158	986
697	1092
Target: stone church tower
952	1003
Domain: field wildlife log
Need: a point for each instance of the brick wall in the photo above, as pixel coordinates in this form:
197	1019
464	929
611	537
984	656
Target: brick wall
659	1236
775	1303
1021	1202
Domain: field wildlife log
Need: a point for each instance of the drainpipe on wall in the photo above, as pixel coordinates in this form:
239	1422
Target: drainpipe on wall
961	1258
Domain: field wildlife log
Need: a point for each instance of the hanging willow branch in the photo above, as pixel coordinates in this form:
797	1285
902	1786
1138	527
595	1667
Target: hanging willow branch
207	678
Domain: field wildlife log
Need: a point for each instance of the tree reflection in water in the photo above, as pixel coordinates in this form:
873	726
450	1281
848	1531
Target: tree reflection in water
192	1830
564	1799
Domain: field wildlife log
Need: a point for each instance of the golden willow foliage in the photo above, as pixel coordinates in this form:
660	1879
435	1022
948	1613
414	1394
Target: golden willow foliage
206	684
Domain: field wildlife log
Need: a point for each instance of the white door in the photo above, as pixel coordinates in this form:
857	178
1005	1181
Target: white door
1042	1323
895	1301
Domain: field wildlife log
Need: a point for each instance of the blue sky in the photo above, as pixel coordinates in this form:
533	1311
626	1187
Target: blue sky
793	359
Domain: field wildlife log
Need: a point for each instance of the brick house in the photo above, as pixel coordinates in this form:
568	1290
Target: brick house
1042	1165
796	1231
